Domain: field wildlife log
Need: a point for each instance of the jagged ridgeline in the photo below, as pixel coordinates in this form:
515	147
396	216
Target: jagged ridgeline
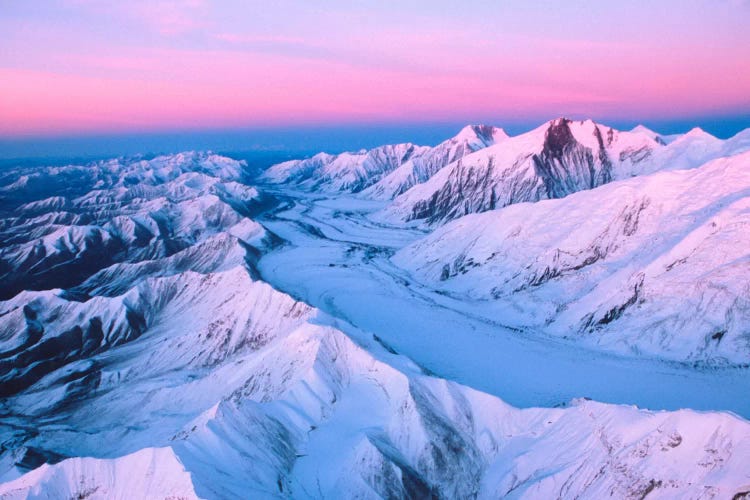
482	168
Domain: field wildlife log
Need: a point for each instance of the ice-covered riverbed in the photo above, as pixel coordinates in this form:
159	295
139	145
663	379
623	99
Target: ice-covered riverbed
337	259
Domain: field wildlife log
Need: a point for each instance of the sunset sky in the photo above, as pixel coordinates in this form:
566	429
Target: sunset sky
85	67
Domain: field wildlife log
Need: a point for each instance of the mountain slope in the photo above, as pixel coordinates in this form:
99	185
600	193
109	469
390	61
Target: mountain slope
418	169
148	473
652	265
314	415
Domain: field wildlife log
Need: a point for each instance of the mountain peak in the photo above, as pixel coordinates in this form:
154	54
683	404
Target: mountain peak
488	134
562	123
699	132
565	120
644	130
558	122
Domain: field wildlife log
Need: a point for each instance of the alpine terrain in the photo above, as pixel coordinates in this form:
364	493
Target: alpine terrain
563	313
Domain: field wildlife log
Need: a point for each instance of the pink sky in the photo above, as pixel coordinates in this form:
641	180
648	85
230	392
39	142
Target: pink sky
80	66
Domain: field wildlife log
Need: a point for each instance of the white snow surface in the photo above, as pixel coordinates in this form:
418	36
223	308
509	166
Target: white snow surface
252	393
184	370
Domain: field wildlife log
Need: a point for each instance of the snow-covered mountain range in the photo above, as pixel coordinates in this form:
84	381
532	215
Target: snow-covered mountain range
553	161
116	211
421	167
151	348
656	264
385	171
351	172
482	168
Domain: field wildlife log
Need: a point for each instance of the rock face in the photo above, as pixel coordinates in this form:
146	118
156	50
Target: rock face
653	265
566	166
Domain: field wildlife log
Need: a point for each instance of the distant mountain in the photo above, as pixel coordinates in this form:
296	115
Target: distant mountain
653	265
661	139
482	168
350	172
420	168
693	149
382	172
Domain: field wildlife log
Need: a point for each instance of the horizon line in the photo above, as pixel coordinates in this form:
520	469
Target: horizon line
509	122
333	137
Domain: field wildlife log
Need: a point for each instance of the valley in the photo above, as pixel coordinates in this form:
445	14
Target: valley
338	260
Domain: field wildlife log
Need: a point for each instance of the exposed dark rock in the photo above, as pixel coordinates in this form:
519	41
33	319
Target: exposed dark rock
617	311
565	166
